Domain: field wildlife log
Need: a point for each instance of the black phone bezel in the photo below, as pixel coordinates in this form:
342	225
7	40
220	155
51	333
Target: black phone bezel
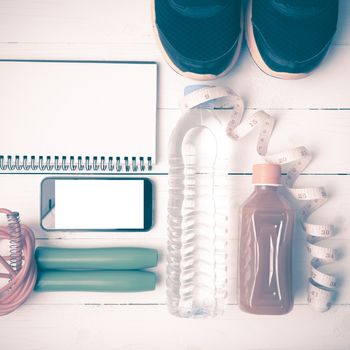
147	202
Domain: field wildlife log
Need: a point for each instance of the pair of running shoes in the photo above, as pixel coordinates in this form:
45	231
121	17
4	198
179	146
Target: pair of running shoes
202	39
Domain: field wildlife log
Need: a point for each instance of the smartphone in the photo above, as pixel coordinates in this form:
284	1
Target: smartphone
96	204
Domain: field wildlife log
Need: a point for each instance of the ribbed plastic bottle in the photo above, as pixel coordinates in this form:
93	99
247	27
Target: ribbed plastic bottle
265	246
197	214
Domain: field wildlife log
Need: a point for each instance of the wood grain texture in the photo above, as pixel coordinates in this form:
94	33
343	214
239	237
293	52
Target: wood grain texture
335	211
91	327
327	141
324	89
314	112
105	21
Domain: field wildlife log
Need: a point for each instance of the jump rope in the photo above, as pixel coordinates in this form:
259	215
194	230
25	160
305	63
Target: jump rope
20	264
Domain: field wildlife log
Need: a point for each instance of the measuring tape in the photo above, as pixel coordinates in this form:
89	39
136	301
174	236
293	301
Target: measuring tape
321	286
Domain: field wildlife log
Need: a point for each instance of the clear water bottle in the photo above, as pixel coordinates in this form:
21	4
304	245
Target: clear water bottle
197	214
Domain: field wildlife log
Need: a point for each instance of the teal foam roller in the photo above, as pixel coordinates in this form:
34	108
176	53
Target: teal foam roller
95	281
120	258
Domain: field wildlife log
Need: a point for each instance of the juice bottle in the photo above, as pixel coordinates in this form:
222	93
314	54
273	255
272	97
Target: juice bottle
265	246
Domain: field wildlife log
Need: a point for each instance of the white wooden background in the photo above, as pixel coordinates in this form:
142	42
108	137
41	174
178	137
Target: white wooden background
314	112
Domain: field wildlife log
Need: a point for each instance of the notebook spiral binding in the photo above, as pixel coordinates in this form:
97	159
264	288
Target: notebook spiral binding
63	163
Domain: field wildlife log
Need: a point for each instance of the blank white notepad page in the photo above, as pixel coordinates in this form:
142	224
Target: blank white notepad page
78	109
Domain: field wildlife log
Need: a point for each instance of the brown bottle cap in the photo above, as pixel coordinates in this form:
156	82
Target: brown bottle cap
266	174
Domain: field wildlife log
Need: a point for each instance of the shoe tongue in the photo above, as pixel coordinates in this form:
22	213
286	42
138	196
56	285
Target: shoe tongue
198	8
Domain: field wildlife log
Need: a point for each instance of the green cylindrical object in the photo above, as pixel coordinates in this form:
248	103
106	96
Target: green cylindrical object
120	258
95	281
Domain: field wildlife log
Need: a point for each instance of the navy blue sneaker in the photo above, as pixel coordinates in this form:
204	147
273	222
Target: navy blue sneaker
200	39
289	38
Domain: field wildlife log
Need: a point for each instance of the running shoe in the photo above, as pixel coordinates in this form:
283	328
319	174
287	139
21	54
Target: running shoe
200	39
289	38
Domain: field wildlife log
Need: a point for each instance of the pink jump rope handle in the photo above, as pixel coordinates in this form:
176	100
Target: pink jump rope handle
20	264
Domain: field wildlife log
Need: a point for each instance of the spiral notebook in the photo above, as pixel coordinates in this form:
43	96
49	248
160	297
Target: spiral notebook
71	116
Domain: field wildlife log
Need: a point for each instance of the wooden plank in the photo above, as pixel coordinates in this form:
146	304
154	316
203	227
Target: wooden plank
300	274
44	30
335	211
326	88
327	142
22	193
105	21
152	327
75	21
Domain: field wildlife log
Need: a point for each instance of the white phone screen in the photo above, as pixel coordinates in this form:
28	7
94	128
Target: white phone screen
99	204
